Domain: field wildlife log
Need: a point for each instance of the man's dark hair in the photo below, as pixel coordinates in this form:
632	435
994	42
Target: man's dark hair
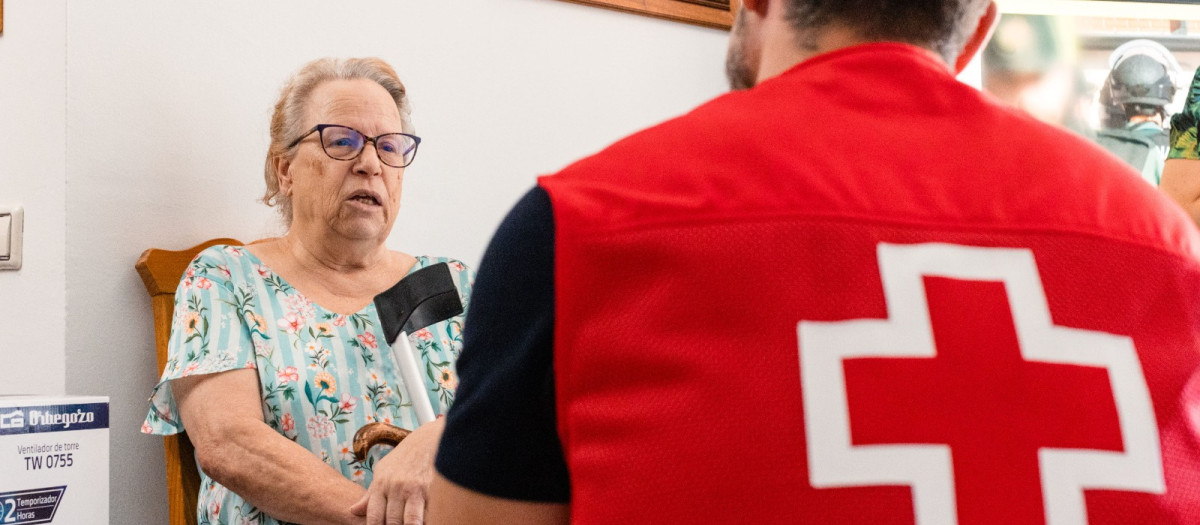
940	25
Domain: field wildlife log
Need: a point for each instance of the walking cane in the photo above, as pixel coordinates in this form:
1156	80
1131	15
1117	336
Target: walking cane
425	297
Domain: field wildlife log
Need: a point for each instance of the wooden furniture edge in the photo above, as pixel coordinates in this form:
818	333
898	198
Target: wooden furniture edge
160	271
672	10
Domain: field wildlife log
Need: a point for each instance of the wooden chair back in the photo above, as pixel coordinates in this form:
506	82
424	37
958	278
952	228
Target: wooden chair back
161	271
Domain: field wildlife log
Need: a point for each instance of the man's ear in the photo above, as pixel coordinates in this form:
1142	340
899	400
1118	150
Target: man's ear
758	6
980	37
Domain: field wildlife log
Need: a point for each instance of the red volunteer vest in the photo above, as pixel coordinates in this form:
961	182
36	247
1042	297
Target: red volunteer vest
863	292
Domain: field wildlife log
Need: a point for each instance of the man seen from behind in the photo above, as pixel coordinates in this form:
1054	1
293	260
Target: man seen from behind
933	309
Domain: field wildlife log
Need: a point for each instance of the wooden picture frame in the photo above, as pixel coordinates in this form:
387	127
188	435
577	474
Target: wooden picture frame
709	13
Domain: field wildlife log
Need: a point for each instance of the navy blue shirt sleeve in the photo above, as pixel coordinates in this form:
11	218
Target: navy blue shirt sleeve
501	435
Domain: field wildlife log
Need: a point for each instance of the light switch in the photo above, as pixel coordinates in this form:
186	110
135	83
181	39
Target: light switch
5	236
12	225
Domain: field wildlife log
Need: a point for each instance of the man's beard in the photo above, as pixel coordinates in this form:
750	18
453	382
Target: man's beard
740	73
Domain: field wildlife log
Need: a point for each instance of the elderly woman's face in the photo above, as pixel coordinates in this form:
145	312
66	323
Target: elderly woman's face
355	199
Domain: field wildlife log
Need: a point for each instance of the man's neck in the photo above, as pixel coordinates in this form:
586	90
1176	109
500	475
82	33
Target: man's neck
784	49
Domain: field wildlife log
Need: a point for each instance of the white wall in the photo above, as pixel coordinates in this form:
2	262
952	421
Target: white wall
167	108
33	83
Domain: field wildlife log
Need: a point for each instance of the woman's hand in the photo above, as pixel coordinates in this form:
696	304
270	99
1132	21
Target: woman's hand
397	494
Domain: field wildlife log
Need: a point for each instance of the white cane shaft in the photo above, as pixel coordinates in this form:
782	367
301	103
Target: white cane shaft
414	384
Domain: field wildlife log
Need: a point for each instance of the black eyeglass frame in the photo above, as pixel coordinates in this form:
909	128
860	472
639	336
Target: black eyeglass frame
320	130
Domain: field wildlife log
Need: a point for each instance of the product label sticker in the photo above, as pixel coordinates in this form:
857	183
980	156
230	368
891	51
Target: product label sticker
26	507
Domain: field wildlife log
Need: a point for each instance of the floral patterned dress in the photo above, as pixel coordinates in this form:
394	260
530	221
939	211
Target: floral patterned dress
322	374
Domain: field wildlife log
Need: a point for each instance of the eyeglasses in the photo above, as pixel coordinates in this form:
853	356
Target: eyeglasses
345	143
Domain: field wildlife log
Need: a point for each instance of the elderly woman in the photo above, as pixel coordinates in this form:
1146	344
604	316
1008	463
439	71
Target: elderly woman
277	355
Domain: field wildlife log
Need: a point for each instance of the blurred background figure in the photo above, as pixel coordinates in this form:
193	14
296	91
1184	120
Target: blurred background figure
1140	85
1181	176
1031	63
